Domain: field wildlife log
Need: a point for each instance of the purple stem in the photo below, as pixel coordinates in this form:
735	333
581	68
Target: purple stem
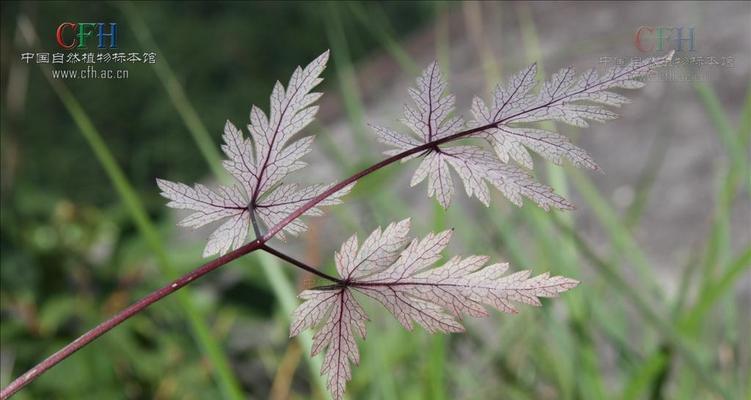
123	315
258	244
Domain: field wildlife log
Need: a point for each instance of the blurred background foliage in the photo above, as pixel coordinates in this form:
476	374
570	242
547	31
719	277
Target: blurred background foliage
84	232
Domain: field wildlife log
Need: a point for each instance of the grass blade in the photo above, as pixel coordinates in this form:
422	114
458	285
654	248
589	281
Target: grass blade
715	291
223	372
175	90
372	17
648	312
345	73
288	300
561	248
279	282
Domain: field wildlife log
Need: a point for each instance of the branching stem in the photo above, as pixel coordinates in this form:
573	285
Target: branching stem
299	264
258	244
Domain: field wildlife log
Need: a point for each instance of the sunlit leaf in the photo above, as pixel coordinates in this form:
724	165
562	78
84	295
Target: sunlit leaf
260	163
563	98
407	284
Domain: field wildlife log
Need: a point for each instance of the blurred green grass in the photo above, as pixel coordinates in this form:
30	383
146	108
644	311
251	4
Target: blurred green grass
553	352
